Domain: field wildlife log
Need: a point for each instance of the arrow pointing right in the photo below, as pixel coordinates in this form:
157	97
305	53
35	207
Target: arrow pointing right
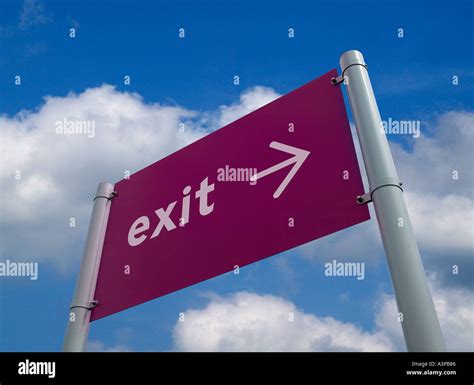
298	159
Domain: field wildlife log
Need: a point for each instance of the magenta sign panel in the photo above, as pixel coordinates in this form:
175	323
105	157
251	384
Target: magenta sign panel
279	177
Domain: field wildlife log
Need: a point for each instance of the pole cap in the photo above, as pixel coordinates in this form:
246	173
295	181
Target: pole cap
351	57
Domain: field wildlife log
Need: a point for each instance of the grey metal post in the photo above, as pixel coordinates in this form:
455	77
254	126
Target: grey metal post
83	301
419	323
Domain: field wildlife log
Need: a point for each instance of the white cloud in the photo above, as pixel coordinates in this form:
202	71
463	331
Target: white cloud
442	224
99	346
32	13
441	208
455	309
252	322
442	213
250	100
443	147
59	173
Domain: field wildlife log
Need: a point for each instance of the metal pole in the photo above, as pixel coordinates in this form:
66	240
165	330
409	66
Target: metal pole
83	301
416	309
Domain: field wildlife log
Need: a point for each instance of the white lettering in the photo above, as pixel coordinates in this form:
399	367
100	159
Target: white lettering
139	226
137	232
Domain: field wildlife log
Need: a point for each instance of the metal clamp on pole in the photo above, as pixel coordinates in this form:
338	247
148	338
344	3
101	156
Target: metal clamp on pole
85	305
416	309
367	197
111	196
337	80
341	78
83	301
364	199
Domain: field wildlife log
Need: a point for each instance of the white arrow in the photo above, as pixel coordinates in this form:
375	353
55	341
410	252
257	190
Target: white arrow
298	159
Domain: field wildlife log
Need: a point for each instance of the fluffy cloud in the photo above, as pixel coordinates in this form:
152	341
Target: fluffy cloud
59	173
443	147
441	207
252	322
455	309
443	224
438	176
32	13
249	101
99	346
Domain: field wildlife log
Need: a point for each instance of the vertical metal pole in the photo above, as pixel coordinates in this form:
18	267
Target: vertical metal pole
83	301
420	322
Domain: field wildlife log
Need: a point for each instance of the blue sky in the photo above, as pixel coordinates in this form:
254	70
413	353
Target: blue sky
412	79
